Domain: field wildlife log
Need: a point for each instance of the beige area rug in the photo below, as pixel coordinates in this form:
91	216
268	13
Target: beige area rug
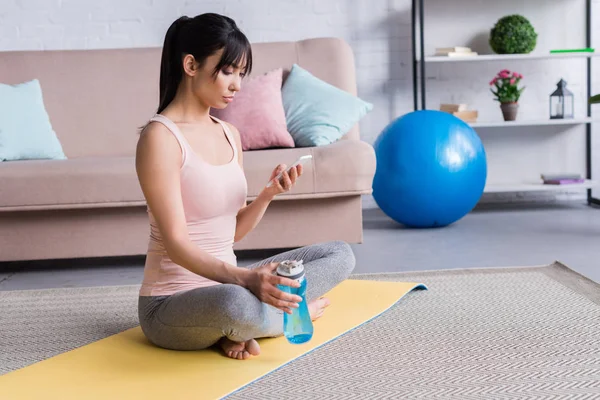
510	333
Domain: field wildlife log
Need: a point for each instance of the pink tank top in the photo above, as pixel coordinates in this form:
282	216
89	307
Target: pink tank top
212	196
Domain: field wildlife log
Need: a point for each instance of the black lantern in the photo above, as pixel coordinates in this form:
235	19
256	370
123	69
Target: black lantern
561	102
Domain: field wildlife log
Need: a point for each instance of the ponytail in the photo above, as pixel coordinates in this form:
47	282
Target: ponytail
170	64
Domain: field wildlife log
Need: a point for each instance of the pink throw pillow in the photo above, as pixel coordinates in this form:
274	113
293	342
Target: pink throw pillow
257	112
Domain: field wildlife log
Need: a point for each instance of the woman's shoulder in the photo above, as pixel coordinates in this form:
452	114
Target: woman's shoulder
156	136
234	131
236	137
154	131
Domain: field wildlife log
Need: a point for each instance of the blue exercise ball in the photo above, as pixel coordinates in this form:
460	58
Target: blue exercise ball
431	169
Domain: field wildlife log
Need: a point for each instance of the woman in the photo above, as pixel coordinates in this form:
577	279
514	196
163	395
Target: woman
190	168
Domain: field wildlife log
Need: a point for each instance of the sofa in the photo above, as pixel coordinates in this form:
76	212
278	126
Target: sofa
91	204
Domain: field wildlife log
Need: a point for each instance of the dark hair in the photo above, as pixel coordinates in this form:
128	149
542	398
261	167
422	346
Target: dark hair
201	36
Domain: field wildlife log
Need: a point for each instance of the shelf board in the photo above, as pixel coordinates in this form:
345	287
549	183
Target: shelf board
505	57
536	187
540	122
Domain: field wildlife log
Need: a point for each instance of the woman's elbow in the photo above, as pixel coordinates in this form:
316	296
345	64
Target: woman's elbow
175	248
238	236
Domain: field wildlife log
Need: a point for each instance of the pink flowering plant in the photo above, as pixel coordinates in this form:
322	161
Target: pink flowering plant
506	86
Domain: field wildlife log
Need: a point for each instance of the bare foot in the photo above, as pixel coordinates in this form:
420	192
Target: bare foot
239	350
243	350
317	307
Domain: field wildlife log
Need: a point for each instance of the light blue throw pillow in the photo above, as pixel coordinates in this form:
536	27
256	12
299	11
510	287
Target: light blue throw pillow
316	112
25	129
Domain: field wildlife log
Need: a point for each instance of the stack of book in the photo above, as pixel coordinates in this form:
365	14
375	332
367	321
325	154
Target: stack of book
455	52
461	111
562	179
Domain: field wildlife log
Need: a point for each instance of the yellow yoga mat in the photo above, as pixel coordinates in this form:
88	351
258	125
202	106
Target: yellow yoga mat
127	366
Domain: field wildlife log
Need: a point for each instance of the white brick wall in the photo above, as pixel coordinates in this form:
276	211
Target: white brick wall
378	31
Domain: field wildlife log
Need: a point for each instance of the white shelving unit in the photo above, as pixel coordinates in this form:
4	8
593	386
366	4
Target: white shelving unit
420	60
537	187
544	122
507	57
534	186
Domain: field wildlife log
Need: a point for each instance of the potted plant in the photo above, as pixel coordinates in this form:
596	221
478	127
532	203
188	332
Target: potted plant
507	92
513	34
595	99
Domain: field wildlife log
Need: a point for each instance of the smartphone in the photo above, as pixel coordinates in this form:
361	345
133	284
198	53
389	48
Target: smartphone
302	160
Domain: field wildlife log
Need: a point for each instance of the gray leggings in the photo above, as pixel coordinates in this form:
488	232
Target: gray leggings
197	318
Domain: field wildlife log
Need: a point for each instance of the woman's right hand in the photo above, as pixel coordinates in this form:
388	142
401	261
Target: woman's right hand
263	284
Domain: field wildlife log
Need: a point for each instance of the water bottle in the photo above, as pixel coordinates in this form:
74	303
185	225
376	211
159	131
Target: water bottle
297	326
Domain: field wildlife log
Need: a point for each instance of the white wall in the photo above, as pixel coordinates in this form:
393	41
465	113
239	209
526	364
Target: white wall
379	32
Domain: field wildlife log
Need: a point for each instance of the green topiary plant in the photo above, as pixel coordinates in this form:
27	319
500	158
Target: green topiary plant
513	34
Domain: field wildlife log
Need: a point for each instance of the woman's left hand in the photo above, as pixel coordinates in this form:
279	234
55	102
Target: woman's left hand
285	183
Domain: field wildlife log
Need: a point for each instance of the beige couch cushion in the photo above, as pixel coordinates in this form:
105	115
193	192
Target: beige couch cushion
74	183
340	169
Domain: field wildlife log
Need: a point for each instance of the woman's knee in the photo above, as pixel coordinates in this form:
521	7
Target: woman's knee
343	251
243	315
240	308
